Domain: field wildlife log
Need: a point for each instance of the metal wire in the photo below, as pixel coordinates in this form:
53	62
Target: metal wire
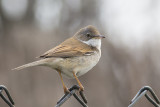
72	90
8	100
143	92
153	99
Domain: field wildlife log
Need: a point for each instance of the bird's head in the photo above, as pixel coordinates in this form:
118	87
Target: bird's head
90	36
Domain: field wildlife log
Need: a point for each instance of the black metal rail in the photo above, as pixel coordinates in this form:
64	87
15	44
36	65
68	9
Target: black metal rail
153	99
8	100
72	90
143	92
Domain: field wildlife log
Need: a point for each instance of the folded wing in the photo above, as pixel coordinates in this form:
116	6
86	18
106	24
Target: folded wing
68	49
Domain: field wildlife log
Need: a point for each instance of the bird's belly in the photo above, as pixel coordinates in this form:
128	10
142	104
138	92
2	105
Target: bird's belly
79	65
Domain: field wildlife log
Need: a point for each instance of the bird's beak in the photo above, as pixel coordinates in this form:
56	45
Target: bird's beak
100	36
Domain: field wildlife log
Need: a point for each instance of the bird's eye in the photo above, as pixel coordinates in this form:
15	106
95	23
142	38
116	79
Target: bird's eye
88	35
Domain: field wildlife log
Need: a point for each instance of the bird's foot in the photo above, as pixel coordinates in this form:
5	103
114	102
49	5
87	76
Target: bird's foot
81	89
66	91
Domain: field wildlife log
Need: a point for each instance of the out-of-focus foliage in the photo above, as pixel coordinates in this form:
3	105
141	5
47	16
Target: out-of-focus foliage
130	53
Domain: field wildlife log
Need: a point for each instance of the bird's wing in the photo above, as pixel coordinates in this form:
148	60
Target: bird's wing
69	48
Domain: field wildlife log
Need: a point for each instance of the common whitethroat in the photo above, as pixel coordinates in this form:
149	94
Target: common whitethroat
73	57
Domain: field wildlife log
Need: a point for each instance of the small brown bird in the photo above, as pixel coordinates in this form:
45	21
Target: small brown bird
73	57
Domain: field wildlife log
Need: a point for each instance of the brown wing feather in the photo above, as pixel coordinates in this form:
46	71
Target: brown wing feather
69	49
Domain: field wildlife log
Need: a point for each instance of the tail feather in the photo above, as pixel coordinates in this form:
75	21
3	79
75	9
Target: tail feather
36	63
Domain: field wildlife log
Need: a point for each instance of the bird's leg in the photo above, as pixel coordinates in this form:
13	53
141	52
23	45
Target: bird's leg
64	87
79	83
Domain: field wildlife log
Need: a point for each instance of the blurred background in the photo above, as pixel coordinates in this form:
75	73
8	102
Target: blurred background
130	53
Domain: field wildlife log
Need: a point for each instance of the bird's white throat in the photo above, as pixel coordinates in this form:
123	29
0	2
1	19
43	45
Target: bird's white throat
93	42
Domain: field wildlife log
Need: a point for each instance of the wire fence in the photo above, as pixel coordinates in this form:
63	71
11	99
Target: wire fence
8	100
153	99
144	92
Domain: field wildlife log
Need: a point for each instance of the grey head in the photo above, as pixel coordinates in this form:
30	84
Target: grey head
90	35
88	32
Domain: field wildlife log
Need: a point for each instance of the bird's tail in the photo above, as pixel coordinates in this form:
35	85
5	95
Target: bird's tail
36	63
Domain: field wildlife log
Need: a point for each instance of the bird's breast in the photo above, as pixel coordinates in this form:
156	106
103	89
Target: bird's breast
79	65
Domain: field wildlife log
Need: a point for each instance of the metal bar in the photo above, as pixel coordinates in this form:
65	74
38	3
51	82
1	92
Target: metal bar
153	94
83	97
72	90
10	101
80	101
151	100
137	97
65	98
8	95
143	92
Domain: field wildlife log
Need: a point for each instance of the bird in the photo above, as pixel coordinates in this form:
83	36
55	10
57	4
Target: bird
73	57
